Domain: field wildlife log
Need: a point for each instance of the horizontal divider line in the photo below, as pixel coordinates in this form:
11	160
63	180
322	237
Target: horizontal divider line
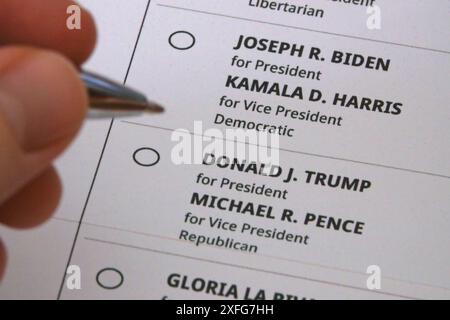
305	29
307	153
287	275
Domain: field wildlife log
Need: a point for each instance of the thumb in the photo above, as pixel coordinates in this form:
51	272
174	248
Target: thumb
42	105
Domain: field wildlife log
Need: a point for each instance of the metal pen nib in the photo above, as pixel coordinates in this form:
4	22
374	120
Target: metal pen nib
108	98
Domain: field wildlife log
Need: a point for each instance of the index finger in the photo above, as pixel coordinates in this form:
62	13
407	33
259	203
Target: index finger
43	23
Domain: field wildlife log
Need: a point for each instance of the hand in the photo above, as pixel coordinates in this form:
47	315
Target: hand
42	104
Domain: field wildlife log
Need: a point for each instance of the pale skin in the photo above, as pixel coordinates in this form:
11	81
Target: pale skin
42	105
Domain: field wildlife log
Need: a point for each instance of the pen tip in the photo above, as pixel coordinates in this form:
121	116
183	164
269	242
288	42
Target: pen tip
154	108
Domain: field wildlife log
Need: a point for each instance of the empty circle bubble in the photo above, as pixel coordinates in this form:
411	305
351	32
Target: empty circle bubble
109	278
182	40
146	157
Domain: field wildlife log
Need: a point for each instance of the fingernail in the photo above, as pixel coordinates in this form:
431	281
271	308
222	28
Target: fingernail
41	96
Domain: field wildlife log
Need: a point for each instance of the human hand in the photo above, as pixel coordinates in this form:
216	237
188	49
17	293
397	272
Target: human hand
42	104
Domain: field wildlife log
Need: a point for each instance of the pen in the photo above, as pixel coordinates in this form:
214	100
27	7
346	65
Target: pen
108	98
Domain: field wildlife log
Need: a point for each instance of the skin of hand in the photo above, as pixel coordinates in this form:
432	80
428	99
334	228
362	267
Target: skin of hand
42	104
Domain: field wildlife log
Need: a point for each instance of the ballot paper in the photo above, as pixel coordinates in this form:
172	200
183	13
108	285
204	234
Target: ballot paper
349	200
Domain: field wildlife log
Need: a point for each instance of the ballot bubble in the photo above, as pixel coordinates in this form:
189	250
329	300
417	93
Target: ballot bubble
109	278
146	157
181	40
